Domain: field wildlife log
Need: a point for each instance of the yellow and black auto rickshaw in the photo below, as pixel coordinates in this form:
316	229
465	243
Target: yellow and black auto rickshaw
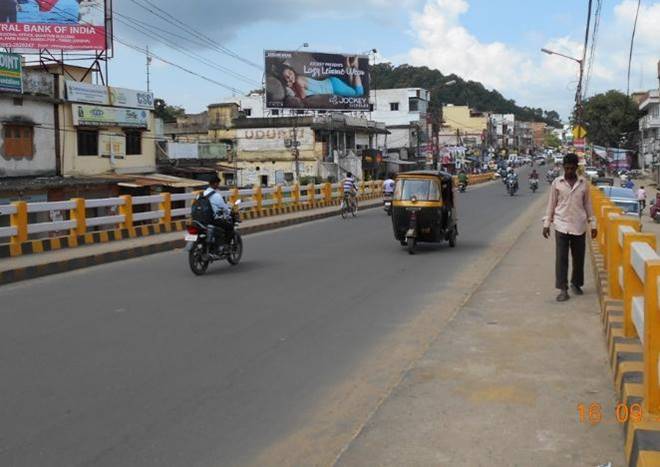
423	209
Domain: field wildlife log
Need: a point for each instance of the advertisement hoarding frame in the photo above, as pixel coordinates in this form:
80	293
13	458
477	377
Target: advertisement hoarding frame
360	56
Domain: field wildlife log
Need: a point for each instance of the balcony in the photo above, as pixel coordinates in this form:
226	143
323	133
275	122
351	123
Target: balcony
649	121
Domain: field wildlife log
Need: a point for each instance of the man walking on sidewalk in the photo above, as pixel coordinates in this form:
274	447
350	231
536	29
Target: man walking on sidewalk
569	209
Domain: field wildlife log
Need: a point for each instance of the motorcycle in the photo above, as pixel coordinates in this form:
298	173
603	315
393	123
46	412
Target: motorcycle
387	203
534	185
512	186
550	177
199	256
462	187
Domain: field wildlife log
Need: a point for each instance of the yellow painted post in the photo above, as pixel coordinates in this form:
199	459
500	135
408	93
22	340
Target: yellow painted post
361	189
126	210
234	195
166	206
279	196
633	287
78	214
19	220
311	192
295	193
602	227
257	197
327	187
651	338
614	251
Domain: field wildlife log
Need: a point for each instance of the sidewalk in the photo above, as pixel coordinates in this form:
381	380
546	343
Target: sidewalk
501	384
53	262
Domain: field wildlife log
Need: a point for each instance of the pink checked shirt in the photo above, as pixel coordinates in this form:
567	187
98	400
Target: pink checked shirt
569	209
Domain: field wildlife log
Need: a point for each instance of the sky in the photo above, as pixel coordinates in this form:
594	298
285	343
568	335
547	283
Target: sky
495	42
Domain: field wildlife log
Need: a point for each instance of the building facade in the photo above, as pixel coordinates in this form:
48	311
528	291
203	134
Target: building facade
524	135
405	115
649	127
502	128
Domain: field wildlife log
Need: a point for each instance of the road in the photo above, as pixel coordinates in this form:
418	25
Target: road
140	363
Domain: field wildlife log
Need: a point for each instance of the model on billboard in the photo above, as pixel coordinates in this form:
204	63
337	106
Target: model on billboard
303	87
49	11
8	11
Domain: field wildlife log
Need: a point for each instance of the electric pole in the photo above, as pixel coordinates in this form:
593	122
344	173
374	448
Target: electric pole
148	70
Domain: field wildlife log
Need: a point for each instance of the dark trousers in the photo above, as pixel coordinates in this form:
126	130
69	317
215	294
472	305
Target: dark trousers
577	245
220	232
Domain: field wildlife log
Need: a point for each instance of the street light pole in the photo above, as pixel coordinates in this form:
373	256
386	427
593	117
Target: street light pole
578	93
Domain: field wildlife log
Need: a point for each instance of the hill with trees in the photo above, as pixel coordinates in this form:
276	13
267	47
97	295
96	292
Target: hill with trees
471	93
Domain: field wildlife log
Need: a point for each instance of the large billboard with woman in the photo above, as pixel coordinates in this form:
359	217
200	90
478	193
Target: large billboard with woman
319	81
55	24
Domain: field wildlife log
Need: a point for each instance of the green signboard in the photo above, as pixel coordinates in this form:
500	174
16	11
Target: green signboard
10	73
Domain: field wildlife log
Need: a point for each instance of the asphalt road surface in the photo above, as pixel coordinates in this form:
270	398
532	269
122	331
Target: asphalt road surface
140	363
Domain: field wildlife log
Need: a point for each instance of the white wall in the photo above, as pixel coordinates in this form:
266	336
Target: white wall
382	98
42	115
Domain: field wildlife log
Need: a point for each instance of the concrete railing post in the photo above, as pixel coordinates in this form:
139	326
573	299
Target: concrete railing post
78	214
614	251
295	193
166	206
327	192
257	197
311	193
633	286
126	210
602	227
279	196
651	338
19	220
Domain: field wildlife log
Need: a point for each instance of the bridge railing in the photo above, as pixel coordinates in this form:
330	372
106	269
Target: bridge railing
633	277
78	215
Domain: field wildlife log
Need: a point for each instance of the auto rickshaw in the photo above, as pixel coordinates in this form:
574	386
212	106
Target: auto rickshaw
423	209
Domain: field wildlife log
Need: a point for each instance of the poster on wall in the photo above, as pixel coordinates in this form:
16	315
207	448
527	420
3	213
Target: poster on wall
88	93
121	97
319	81
55	24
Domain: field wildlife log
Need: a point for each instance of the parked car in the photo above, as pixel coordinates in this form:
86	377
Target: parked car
591	172
624	198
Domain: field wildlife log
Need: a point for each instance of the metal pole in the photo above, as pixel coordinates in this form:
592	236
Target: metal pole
148	66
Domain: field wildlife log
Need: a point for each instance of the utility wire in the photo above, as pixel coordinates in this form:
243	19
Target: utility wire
167	17
592	52
632	45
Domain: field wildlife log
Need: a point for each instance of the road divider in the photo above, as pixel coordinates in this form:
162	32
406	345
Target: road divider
627	270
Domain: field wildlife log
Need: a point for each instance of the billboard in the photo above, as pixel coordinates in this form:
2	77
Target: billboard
11	78
318	81
121	97
54	24
87	92
91	115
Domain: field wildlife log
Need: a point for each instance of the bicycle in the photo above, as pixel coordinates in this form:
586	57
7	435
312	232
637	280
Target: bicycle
348	205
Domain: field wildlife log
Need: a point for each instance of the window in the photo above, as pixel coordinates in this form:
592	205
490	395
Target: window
88	143
275	112
133	143
371	107
423	190
18	141
394	106
413	104
247	112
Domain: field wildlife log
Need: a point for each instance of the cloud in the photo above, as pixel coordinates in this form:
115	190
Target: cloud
536	80
222	20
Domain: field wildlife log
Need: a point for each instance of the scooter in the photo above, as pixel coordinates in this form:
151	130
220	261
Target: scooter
534	185
387	203
198	248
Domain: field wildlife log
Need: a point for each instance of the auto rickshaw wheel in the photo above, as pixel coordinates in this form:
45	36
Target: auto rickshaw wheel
411	245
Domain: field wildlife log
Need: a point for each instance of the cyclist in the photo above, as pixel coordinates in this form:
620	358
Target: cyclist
350	189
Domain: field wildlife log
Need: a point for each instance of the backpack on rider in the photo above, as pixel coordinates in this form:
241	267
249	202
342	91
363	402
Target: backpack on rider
201	210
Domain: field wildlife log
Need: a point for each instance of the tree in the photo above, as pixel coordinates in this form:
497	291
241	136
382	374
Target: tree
611	120
168	113
551	140
472	93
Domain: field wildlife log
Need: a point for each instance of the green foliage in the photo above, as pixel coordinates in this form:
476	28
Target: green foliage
168	113
471	93
611	119
552	141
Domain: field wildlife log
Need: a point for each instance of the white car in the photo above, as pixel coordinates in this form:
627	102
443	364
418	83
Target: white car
591	172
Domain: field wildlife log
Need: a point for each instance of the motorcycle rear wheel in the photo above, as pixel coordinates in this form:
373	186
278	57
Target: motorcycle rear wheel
196	261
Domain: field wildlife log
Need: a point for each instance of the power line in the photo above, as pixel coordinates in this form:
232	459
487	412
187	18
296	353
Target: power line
592	52
167	17
632	44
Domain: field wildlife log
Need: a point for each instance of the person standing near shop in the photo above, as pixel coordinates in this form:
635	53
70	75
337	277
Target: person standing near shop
570	211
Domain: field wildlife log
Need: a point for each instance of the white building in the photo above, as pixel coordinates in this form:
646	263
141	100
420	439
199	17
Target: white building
405	114
649	127
503	131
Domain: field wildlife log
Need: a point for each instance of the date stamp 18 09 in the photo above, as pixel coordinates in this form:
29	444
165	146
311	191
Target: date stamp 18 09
593	414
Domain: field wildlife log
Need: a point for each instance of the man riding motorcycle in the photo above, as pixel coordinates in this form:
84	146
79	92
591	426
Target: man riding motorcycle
221	229
512	176
462	179
534	180
388	186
